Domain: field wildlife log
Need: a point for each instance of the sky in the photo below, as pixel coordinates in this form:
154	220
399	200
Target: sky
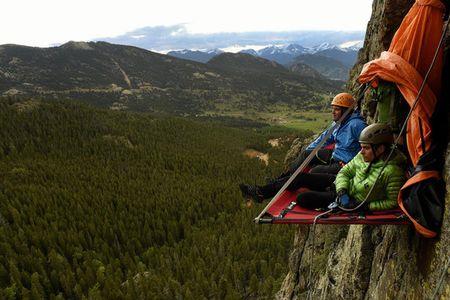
45	22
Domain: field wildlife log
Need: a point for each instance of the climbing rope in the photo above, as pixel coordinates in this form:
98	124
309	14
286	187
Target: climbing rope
313	231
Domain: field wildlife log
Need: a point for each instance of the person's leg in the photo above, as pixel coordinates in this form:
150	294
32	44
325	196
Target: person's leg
274	185
316	181
259	193
333	168
271	189
314	199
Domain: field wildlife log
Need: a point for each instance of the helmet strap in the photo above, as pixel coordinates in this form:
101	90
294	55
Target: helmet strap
374	151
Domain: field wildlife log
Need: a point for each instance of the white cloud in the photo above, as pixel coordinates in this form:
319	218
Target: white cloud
45	22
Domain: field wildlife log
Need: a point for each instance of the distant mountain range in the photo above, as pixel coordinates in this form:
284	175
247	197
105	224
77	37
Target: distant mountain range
166	38
331	61
129	78
281	47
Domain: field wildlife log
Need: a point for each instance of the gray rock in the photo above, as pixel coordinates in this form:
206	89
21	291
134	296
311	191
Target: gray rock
371	262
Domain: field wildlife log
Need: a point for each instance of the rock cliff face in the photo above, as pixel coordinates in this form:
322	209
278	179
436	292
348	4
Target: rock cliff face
373	262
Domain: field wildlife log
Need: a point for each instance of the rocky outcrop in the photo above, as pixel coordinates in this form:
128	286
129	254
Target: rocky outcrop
372	262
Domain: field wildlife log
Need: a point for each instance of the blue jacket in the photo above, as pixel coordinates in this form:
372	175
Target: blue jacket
345	137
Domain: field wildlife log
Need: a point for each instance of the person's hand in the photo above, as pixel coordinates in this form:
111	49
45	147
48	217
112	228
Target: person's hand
344	201
334	206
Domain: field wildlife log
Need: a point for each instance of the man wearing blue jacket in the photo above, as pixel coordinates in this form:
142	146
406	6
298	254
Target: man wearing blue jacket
346	146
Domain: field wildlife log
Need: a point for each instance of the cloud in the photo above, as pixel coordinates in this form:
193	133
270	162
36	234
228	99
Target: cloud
39	23
175	37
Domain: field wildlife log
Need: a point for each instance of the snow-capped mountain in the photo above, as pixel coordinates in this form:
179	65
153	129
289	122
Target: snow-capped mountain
352	45
286	54
345	53
321	47
282	54
295	49
291	49
339	58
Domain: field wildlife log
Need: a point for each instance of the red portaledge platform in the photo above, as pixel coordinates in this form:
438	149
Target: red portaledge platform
299	215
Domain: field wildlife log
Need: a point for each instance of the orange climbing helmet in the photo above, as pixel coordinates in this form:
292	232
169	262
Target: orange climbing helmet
343	100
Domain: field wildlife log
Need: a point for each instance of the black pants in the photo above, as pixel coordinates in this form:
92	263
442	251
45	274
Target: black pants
270	189
322	190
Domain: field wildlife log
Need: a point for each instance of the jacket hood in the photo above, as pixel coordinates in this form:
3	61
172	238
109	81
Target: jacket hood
355	115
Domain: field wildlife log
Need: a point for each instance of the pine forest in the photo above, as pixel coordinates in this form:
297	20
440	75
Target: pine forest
101	204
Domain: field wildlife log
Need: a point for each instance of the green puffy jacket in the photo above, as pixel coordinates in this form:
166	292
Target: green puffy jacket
357	178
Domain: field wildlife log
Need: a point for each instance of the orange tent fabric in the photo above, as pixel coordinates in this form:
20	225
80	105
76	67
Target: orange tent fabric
417	38
405	63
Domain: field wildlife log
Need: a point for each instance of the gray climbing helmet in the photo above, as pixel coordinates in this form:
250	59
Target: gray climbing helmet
377	133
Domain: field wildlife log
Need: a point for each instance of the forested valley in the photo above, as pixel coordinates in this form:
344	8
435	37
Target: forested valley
101	204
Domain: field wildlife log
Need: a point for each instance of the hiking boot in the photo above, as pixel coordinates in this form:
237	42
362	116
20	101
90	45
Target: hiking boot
251	191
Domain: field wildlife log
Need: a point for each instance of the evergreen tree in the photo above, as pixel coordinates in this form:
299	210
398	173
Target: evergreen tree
37	291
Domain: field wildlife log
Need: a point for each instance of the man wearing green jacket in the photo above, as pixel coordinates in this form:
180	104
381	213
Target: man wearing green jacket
352	184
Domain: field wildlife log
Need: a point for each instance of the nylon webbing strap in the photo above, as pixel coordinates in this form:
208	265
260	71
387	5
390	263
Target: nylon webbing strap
311	155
